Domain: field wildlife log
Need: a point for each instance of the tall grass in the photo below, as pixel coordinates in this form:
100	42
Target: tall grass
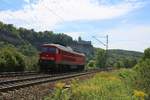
115	85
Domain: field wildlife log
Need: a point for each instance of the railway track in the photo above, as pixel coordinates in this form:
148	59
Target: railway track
12	84
16	74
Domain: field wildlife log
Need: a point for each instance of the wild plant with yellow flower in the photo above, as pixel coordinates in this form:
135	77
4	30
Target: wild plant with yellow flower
139	94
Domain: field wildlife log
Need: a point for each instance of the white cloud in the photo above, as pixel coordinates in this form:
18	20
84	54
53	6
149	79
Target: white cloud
46	14
129	37
27	1
75	35
131	32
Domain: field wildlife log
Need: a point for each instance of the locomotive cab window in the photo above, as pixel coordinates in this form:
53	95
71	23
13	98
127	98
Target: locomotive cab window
49	49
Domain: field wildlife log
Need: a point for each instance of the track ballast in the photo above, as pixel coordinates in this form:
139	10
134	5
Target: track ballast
8	85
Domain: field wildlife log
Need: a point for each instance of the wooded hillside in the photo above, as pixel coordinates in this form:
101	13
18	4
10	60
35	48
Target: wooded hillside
28	42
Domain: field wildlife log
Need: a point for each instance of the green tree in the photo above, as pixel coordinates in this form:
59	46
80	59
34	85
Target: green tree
28	50
126	63
143	75
119	64
91	64
146	53
143	72
11	60
100	58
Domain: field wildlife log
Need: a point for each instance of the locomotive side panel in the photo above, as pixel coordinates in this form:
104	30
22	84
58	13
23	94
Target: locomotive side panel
71	59
54	58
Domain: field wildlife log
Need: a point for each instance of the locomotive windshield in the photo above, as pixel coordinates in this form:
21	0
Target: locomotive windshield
49	49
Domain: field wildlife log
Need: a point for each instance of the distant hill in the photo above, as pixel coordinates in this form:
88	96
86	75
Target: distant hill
120	58
124	53
24	38
28	42
117	57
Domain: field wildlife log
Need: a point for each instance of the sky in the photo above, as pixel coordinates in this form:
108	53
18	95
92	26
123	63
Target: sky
126	22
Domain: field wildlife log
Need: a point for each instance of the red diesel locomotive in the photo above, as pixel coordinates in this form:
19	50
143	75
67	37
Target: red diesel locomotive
57	58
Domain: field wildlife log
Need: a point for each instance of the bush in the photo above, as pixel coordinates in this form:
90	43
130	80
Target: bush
28	50
143	75
146	54
143	72
31	63
119	64
11	60
103	86
91	64
100	58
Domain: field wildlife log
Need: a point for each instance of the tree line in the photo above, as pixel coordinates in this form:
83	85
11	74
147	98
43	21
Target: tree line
20	36
19	47
114	58
26	43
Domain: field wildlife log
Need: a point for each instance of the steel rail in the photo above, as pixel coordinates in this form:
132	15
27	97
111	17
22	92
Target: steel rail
14	74
20	83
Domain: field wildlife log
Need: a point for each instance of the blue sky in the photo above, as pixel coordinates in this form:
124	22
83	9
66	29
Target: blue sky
125	21
9	4
14	4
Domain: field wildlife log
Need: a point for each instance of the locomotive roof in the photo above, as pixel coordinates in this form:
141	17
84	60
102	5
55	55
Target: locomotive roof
64	48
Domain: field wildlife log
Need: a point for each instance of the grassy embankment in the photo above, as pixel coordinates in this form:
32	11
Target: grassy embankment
116	85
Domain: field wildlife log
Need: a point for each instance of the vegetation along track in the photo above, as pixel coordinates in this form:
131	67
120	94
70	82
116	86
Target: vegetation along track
24	82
